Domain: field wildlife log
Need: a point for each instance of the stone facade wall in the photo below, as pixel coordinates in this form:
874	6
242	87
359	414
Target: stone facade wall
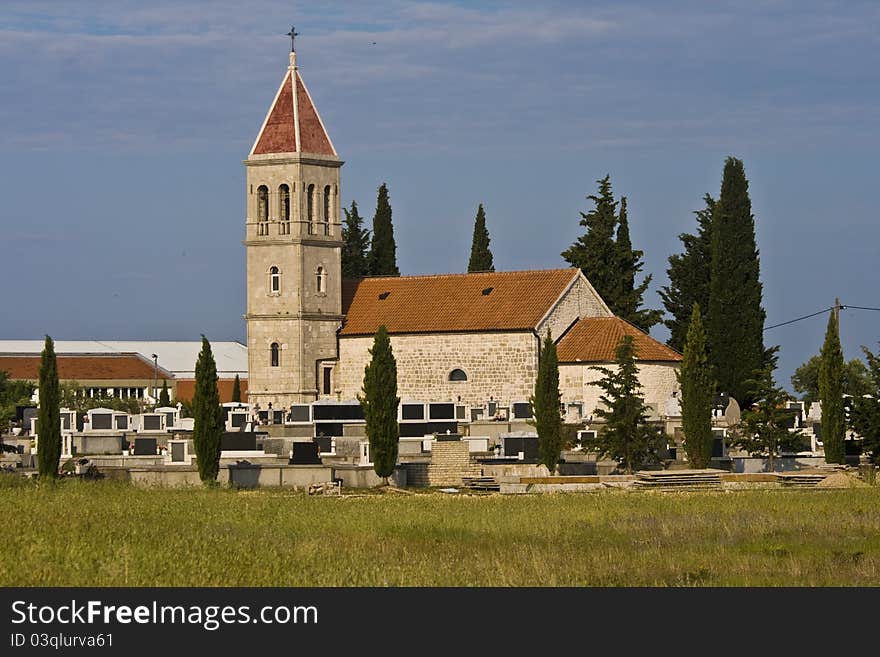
658	382
579	301
501	365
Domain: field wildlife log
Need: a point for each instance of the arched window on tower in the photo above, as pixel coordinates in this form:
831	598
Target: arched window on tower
327	207
284	209
262	210
310	208
274	354
274	280
321	280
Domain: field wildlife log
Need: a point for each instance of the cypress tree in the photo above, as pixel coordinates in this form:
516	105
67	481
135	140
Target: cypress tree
164	398
208	416
595	252
380	402
736	317
236	389
689	274
545	405
697	394
626	436
831	393
355	244
383	250
49	414
628	297
481	256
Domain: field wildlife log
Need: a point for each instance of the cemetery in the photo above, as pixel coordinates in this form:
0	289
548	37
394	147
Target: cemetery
441	445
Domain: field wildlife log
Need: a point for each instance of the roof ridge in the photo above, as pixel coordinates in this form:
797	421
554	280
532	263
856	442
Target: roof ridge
463	274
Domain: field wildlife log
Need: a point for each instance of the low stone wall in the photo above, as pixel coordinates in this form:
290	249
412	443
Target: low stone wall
364	476
450	462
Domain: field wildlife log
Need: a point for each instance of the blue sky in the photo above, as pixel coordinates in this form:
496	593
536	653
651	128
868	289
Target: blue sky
123	125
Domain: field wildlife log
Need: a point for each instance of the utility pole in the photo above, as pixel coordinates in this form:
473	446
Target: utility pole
155	394
837	309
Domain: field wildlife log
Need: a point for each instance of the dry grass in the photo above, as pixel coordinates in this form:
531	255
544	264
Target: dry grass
78	533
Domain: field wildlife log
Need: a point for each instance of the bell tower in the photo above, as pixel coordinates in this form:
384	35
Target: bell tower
294	243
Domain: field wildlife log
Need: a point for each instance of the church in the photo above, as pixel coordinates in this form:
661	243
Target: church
468	338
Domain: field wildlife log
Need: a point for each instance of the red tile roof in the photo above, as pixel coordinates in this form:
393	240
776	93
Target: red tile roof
595	339
451	303
279	133
83	367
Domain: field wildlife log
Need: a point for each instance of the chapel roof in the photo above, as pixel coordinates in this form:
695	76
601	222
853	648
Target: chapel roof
595	339
452	303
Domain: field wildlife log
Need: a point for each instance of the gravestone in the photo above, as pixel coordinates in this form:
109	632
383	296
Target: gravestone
144	446
101	421
305	454
151	422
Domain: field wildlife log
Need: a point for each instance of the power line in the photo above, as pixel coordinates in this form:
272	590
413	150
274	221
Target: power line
798	319
820	312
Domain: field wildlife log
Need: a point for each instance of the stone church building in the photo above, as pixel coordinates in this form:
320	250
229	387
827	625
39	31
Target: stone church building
469	338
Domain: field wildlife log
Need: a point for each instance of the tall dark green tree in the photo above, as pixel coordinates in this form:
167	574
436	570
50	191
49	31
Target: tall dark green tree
236	389
383	250
763	430
831	394
865	410
629	296
49	414
380	403
627	436
736	316
164	397
689	275
481	256
207	416
355	244
545	406
595	252
697	394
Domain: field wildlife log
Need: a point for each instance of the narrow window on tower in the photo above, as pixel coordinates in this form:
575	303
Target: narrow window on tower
321	280
274	354
327	210
262	210
274	280
310	208
284	209
326	382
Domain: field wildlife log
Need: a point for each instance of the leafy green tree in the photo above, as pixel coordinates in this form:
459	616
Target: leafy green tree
805	380
545	405
49	414
12	394
831	394
628	297
164	397
697	394
595	252
74	397
207	416
763	430
865	409
627	436
236	389
735	324
380	403
481	256
383	250
355	244
689	274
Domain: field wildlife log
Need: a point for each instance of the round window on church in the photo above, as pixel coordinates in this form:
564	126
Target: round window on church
457	375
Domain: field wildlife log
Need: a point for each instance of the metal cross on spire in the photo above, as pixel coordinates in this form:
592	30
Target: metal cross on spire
292	34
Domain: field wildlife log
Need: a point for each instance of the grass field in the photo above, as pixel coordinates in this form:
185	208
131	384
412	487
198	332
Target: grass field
79	533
